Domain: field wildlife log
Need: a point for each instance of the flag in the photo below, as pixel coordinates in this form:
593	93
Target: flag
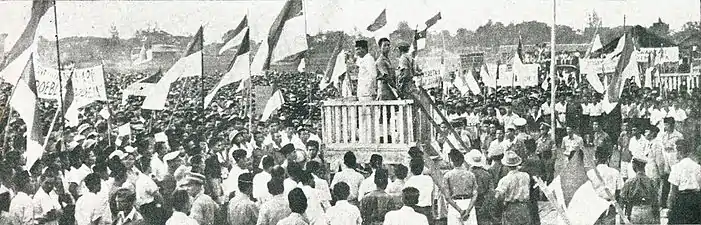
488	78
379	22
301	65
433	20
626	68
144	55
239	70
274	103
68	96
576	194
595	82
649	72
141	87
519	49
234	37
419	41
287	36
335	67
595	44
467	82
190	64
26	39
25	101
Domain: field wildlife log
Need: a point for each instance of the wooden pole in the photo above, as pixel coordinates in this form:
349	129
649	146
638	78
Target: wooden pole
553	86
60	79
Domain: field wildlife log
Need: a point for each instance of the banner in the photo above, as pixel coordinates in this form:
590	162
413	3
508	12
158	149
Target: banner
506	76
88	83
429	79
527	76
598	66
659	55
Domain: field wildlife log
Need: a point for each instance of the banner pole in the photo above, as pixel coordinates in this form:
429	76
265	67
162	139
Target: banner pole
60	79
8	113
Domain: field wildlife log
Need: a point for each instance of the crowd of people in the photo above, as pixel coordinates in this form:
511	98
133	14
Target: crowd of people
222	165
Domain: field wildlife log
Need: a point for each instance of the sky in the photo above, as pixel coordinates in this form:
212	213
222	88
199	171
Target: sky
94	18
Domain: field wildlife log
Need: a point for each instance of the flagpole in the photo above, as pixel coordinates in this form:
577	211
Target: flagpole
8	114
552	74
202	94
51	128
60	78
109	120
250	78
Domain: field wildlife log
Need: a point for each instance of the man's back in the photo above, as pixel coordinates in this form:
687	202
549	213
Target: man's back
405	216
350	177
273	210
375	205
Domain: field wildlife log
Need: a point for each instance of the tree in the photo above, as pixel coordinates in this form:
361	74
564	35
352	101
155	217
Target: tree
660	28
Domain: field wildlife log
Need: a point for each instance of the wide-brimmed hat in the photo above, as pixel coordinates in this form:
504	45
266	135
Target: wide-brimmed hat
511	159
475	158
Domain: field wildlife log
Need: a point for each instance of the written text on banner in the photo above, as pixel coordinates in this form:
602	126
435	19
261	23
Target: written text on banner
88	83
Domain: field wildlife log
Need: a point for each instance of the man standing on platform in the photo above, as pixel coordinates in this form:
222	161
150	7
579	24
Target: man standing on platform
385	72
405	79
367	72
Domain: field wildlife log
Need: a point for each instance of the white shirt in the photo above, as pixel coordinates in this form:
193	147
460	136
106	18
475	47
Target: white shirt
637	146
367	186
322	186
367	76
231	184
315	212
89	208
260	186
405	216
179	218
145	189
45	202
424	184
686	175
611	178
350	177
22	208
158	168
77	175
343	213
290	184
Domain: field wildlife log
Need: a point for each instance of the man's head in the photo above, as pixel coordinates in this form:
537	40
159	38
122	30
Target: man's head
268	162
381	179
500	134
384	46
403	47
596	126
410	196
570	131
456	157
361	48
124	199
417	166
313	148
341	191
239	156
195	182
401	172
602	154
93	182
638	165
297	201
376	161
245	183
349	159
314	167
183	200
651	132
276	187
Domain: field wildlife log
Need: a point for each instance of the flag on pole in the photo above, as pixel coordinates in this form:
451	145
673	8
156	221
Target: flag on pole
575	193
239	70
335	67
433	20
25	101
287	35
467	82
379	22
596	43
190	64
519	49
26	39
234	37
274	103
626	68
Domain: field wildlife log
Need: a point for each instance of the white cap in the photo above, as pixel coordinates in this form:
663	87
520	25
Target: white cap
119	153
171	156
519	122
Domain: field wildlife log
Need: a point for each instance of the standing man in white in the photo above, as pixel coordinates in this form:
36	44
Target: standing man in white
367	72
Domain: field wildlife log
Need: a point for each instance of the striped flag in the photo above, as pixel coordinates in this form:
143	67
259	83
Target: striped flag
234	37
239	70
379	22
467	83
574	192
626	68
25	101
68	96
335	67
190	64
274	103
287	37
39	8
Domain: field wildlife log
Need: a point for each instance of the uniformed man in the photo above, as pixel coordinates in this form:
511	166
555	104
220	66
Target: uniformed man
367	72
462	188
513	191
405	79
639	195
385	72
203	208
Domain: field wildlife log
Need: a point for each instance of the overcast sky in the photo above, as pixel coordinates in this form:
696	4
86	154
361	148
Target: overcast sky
93	18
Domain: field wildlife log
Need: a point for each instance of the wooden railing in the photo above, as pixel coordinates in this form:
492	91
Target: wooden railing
369	127
676	81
